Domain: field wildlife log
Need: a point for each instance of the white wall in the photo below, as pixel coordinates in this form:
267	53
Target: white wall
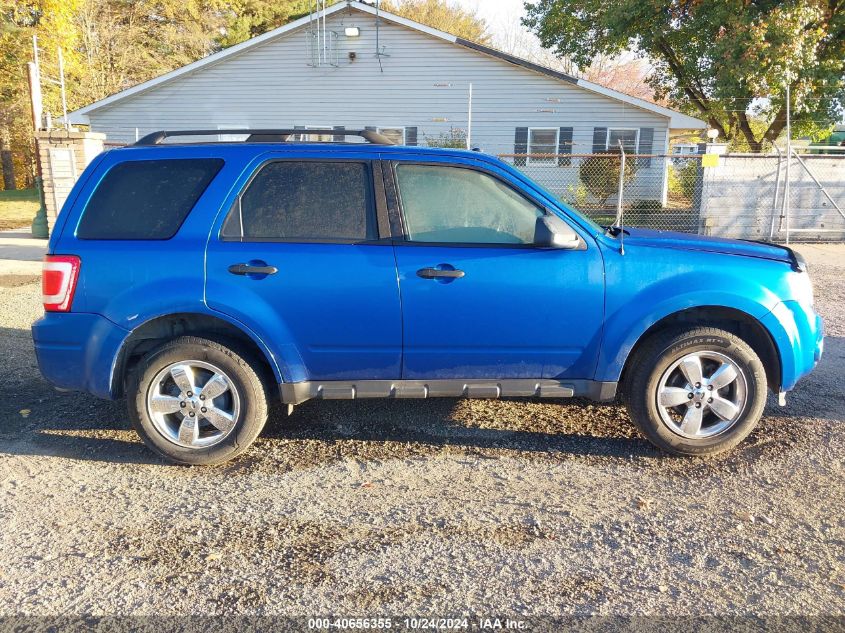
423	81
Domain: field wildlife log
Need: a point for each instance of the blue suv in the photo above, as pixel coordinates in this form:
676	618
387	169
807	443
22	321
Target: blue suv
202	281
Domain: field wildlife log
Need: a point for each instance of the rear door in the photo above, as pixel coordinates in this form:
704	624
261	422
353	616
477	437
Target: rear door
301	259
479	299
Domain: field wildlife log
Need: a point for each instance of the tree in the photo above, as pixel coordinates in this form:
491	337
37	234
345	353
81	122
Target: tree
727	62
126	42
248	18
624	73
442	15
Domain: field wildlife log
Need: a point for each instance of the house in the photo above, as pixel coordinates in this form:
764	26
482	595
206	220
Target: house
354	66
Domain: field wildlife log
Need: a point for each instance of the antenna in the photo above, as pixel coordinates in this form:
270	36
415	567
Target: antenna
379	53
59	82
619	222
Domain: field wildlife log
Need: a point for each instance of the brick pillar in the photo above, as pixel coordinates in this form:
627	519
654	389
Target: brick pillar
63	156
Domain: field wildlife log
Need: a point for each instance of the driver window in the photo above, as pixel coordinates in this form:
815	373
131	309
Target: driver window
453	204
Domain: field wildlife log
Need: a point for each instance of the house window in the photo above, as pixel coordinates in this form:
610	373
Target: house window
542	140
319	138
629	137
395	134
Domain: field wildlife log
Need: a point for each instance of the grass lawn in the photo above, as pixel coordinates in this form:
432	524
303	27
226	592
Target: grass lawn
17	208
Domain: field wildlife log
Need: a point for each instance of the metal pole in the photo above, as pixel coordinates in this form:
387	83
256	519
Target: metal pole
469	119
325	44
619	213
777	191
62	85
786	192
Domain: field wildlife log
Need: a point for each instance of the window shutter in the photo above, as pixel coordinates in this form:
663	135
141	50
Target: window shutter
564	146
520	146
339	138
410	136
599	140
646	145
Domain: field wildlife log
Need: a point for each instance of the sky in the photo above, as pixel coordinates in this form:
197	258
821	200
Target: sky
497	13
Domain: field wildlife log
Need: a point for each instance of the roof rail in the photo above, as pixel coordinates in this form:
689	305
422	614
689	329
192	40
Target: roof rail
264	136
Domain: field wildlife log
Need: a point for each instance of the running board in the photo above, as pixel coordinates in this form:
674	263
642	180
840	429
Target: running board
298	392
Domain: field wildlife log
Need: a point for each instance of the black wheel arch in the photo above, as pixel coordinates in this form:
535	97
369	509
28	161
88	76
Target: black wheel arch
731	320
154	332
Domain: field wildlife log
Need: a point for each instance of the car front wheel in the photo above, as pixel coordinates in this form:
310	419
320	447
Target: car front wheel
695	391
197	401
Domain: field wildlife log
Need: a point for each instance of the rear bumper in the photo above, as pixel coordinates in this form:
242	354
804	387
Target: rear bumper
77	350
799	335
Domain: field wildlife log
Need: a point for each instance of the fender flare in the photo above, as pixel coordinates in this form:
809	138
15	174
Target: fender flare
119	359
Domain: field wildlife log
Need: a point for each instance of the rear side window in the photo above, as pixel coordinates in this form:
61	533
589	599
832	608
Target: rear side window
146	199
305	201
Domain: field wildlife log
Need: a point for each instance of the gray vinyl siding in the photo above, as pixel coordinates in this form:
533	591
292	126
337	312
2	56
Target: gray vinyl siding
422	82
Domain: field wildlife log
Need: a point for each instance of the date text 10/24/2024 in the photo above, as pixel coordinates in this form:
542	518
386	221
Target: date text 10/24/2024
430	624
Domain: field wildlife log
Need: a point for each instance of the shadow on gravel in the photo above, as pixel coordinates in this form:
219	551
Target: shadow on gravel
433	423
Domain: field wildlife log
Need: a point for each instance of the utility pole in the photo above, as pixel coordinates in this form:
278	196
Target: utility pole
40	228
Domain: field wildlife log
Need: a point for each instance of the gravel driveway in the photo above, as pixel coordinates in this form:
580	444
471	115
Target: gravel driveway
420	508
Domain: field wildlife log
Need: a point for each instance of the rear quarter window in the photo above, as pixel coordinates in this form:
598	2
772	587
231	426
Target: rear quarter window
146	199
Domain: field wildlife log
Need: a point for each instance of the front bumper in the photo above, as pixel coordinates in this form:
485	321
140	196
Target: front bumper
798	333
77	350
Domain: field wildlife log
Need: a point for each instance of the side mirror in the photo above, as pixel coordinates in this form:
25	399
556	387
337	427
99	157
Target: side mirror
552	232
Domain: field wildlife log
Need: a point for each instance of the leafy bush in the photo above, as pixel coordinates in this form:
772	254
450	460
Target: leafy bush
455	139
600	174
682	179
646	205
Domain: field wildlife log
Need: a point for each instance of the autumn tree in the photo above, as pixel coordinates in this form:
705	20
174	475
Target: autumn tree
125	42
442	15
727	62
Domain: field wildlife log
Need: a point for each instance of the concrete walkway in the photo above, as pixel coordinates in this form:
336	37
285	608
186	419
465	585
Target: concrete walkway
20	254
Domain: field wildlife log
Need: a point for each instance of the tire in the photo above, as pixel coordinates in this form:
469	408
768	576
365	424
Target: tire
221	375
664	365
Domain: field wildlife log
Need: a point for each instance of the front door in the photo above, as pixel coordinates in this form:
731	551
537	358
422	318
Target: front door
299	261
479	299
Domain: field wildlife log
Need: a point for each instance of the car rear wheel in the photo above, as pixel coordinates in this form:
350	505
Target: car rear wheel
695	391
197	401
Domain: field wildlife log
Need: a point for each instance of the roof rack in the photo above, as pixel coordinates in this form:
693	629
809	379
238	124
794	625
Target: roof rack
264	136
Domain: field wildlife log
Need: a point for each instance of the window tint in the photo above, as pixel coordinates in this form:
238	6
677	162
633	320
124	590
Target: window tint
146	199
305	200
451	204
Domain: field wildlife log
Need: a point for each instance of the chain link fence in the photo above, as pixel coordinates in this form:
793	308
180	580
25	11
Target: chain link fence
750	196
658	191
704	190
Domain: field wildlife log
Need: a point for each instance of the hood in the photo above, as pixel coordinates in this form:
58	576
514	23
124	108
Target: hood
689	242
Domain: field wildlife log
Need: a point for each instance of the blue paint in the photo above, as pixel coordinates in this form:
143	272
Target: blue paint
360	311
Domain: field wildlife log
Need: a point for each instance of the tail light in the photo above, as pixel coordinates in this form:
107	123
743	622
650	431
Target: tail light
58	281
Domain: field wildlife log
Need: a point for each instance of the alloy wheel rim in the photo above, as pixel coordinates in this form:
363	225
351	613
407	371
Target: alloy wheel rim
193	404
702	394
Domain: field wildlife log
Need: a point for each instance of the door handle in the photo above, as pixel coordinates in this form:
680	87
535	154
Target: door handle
436	273
246	269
